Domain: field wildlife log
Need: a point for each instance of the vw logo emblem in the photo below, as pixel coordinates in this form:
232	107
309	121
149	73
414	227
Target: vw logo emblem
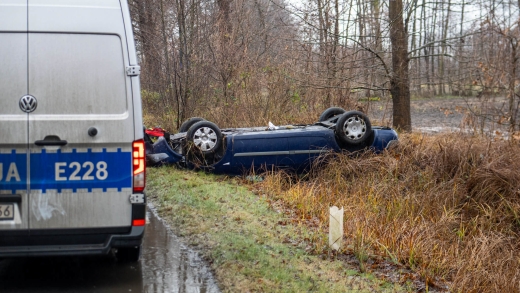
28	103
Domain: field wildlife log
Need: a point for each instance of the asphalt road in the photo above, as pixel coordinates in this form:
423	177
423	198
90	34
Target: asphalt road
166	265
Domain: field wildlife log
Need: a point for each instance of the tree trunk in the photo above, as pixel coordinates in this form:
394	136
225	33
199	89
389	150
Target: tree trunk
460	80
376	8
399	82
432	50
224	8
416	82
150	56
443	51
512	78
168	95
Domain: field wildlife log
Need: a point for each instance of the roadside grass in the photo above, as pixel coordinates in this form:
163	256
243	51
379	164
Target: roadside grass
445	206
251	246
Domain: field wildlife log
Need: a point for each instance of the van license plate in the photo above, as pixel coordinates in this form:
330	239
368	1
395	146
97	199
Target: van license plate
6	211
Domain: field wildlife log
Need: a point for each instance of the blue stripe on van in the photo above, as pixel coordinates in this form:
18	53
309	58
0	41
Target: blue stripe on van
100	170
13	172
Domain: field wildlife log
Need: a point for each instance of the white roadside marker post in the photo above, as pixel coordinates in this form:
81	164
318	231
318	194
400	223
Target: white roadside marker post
335	227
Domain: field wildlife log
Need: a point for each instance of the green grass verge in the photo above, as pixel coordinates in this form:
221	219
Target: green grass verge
251	247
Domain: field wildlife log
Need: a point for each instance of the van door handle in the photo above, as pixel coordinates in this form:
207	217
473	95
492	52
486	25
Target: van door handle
51	140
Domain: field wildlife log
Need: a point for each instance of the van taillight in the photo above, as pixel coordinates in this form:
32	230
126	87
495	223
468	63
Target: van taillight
138	222
138	163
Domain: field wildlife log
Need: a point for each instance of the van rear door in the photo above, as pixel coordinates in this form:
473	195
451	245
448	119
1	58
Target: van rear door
13	122
80	135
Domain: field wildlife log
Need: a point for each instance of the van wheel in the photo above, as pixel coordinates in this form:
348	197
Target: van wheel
130	254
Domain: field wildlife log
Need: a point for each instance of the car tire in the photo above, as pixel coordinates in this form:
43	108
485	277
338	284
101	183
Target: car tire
188	123
205	137
130	254
353	128
331	112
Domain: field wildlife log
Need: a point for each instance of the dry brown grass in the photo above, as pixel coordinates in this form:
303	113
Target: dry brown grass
447	206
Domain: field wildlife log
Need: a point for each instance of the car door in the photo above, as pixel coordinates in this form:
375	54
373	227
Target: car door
13	122
259	151
80	134
306	145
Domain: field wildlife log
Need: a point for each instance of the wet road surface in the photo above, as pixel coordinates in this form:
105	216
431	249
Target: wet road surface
165	266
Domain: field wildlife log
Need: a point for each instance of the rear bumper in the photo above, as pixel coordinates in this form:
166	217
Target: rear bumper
62	243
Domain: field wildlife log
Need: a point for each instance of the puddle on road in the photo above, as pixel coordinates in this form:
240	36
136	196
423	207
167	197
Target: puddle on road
166	266
169	266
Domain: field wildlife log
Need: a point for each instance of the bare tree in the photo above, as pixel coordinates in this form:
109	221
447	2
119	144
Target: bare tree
223	58
399	80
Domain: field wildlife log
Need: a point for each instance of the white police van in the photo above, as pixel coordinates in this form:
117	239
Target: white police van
72	163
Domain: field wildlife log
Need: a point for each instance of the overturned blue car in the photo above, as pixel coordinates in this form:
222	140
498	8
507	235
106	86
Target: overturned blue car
202	144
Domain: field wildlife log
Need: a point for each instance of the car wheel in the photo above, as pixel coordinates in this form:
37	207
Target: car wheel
188	123
205	136
131	254
353	128
331	112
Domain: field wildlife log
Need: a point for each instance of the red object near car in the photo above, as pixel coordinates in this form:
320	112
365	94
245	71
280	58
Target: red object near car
156	131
